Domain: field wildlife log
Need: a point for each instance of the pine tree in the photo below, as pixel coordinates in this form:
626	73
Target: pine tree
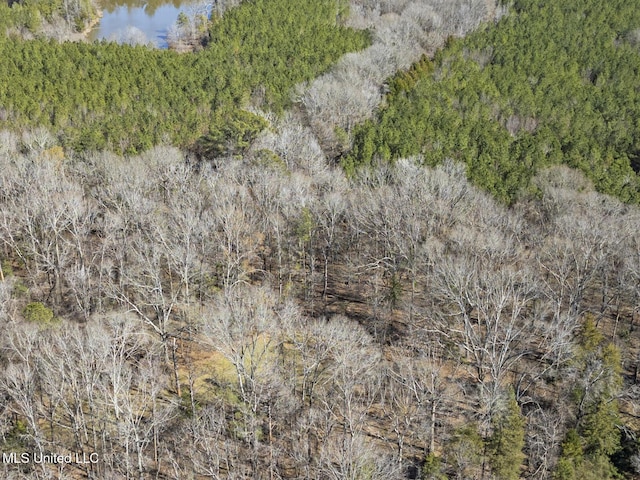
507	442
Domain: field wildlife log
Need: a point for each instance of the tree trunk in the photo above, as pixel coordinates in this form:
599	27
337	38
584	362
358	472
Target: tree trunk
174	347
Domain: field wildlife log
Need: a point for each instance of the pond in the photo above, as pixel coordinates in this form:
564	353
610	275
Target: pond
136	21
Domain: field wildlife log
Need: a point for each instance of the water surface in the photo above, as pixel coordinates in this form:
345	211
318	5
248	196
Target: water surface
135	21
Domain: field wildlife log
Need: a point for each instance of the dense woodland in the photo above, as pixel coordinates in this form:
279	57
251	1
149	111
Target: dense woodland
51	18
419	261
129	98
550	84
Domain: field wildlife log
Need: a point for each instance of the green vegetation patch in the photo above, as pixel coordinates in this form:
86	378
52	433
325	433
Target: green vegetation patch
30	14
124	98
38	313
553	82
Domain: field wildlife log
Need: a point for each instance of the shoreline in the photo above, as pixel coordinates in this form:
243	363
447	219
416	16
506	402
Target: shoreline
83	36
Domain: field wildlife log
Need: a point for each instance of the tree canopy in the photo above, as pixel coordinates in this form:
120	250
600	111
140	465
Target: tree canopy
128	98
551	83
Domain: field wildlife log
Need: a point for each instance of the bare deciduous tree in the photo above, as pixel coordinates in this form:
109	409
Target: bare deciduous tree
486	316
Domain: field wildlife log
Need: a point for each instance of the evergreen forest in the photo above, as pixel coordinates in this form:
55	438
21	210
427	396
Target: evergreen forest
550	84
31	15
128	98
